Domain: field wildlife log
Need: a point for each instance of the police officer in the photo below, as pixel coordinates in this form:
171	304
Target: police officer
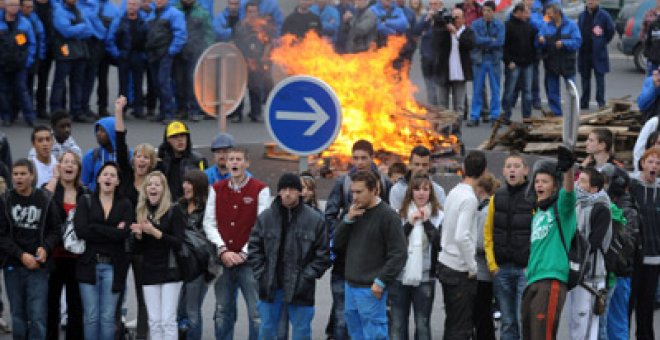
44	10
486	59
27	10
166	36
100	15
72	29
225	22
200	36
126	38
18	46
560	39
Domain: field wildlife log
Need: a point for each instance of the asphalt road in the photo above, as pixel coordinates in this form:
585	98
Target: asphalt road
622	81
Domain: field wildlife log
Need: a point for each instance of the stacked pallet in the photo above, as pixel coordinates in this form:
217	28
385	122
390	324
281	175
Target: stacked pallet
543	135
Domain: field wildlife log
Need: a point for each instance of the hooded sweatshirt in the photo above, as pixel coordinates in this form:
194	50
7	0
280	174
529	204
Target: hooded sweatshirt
175	167
96	157
594	221
647	196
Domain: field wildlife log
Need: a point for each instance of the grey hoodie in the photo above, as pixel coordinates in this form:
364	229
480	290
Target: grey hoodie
647	196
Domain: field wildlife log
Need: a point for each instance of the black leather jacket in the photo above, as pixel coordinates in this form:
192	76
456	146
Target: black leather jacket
305	258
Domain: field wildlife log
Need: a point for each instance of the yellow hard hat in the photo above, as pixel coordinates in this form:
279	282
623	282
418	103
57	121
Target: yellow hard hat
176	128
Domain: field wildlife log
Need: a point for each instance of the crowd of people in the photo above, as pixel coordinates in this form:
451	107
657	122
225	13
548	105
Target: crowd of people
161	41
386	237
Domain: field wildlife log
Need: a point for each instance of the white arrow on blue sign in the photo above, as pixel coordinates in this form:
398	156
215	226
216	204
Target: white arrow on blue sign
303	115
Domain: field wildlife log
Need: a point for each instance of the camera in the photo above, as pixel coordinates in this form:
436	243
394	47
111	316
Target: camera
442	17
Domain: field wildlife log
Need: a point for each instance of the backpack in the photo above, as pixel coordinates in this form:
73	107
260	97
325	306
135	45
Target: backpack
577	254
620	255
69	238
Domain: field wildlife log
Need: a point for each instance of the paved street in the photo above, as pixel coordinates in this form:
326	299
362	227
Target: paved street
622	81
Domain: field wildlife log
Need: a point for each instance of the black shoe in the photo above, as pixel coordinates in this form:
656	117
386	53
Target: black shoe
472	123
29	122
151	112
256	119
103	113
157	119
584	107
196	117
505	121
138	115
485	119
237	119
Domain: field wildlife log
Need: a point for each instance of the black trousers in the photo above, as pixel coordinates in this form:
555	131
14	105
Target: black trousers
459	293
483	312
642	297
64	275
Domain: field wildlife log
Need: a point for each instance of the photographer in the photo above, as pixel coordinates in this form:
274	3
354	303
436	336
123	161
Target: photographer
454	40
426	28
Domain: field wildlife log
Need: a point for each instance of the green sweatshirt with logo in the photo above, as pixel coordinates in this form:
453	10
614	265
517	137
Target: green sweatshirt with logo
547	257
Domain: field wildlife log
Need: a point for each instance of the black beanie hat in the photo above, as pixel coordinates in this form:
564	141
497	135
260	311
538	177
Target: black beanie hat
289	180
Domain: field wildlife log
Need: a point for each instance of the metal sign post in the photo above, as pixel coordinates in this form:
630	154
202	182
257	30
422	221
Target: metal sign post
220	81
572	118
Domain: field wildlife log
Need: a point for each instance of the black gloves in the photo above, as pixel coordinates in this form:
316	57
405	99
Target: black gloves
565	159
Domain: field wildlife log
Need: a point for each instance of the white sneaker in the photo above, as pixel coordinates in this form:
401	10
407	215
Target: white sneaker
131	324
497	315
4	327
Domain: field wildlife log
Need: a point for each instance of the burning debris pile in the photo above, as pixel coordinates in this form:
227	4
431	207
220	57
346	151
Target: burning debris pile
377	100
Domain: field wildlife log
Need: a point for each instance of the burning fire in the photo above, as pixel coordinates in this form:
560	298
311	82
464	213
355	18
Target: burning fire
377	100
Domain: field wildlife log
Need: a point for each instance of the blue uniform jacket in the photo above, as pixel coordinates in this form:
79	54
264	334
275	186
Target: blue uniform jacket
389	23
221	26
267	8
177	24
62	17
38	29
93	10
570	34
330	20
489	42
24	26
648	95
599	55
120	31
539	5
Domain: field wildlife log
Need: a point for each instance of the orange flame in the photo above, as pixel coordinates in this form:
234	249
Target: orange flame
377	100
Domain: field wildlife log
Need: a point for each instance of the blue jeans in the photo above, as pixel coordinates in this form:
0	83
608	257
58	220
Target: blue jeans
27	291
366	316
162	69
420	298
337	285
586	84
519	75
494	73
99	304
192	298
553	90
299	316
508	287
226	293
75	72
618	326
14	84
131	72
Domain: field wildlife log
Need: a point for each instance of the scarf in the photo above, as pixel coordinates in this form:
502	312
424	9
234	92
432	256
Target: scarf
417	243
586	198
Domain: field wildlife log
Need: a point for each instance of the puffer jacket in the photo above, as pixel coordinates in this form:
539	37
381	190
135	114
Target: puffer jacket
304	259
167	32
561	61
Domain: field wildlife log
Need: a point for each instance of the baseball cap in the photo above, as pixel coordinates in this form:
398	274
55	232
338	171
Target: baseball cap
176	128
222	141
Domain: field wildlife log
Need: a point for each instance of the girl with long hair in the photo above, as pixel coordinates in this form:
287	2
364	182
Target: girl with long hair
67	190
133	171
421	217
158	231
101	270
193	203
